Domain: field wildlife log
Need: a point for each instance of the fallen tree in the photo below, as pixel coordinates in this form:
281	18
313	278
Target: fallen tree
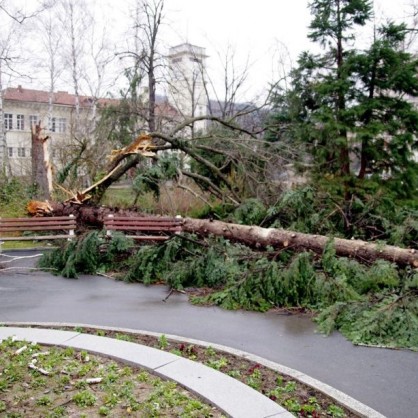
251	235
371	303
278	238
254	236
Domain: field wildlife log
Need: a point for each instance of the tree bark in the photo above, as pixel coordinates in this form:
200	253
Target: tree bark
41	166
255	236
278	238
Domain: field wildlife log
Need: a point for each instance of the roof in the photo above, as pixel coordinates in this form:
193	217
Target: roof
63	98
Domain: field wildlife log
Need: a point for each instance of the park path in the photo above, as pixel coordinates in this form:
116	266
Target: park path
386	380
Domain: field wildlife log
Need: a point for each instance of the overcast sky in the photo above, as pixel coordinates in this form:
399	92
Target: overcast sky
263	33
262	30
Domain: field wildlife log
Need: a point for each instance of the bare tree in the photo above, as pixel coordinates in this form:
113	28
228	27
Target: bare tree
77	25
20	13
50	32
75	19
14	19
9	56
147	17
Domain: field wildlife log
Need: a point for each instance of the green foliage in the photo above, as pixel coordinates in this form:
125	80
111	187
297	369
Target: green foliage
149	263
250	212
84	399
216	211
182	263
389	319
347	293
348	101
14	192
371	214
150	177
216	159
86	255
71	168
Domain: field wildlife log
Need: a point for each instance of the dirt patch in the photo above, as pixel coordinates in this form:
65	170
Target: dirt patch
40	381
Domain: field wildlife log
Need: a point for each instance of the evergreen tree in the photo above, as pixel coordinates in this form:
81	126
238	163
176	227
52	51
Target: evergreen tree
333	26
346	102
386	117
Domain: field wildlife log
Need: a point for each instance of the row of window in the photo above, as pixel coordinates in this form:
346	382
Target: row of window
22	152
20	121
19	152
192	59
55	124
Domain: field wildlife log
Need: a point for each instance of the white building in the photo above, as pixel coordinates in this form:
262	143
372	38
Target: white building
58	114
22	108
186	88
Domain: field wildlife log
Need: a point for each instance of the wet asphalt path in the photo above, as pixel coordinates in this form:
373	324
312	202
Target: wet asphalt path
386	380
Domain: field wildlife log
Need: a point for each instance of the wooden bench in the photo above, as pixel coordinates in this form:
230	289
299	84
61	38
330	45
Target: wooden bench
12	229
143	228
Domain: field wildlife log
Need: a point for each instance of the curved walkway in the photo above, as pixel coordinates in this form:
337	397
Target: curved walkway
385	380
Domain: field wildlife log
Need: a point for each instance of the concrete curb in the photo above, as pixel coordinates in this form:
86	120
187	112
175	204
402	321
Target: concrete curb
228	394
347	401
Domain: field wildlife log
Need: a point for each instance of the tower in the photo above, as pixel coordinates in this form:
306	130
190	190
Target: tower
186	89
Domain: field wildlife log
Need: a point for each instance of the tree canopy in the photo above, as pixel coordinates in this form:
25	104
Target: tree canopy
352	109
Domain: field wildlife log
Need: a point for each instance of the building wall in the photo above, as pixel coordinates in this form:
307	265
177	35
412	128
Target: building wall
18	135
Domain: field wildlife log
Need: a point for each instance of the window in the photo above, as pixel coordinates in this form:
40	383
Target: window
58	125
62	125
8	121
53	124
33	120
20	122
10	151
21	152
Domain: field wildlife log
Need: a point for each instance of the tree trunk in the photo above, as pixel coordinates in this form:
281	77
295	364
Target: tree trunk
255	236
278	238
41	166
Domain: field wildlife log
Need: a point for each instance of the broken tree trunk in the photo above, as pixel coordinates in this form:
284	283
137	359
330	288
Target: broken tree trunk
278	238
254	236
41	165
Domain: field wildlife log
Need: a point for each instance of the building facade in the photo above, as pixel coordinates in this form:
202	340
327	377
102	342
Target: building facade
58	115
64	116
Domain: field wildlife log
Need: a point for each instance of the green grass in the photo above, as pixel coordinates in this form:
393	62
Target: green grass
16	245
14	210
119	197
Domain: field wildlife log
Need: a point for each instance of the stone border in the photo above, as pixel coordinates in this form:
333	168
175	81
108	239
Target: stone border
347	401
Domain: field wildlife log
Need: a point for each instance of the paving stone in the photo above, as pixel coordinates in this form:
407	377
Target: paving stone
38	335
147	357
